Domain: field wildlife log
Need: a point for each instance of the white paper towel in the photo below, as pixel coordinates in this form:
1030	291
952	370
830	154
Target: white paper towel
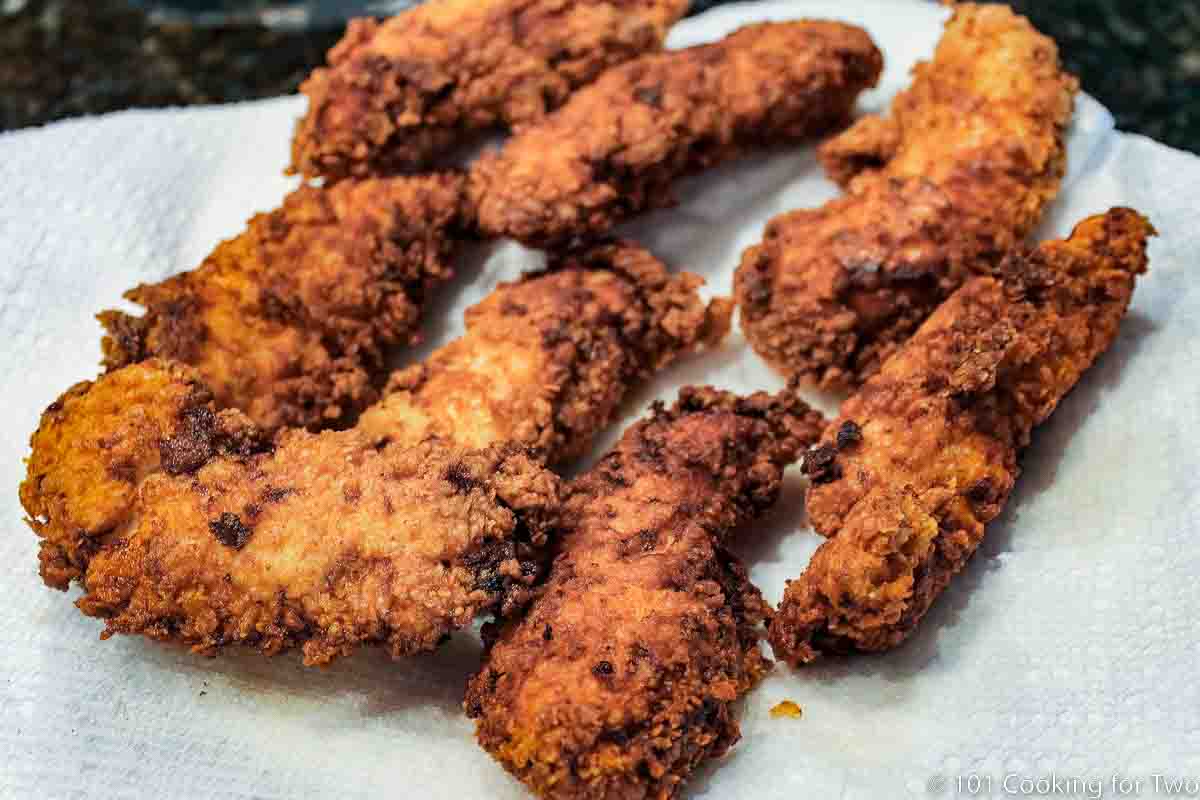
1067	648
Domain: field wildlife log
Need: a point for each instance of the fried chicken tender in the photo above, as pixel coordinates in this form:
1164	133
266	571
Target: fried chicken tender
617	146
925	454
190	524
186	525
290	321
620	679
399	93
941	190
547	360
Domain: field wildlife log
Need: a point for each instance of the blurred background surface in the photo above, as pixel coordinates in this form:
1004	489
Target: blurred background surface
63	58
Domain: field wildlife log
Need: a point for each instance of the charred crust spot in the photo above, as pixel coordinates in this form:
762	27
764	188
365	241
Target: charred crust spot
758	281
547	634
352	493
649	95
982	491
707	712
820	464
848	435
618	736
230	531
275	309
485	562
603	669
125	472
460	478
648	539
277	494
510	308
192	446
252	511
200	437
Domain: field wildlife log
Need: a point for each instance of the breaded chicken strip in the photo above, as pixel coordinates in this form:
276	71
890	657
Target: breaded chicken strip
925	454
187	526
290	321
953	180
617	146
620	679
399	93
547	360
132	476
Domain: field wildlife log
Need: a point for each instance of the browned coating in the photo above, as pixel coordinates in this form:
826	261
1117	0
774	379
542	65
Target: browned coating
953	180
184	525
397	531
619	681
99	441
399	93
290	321
547	360
925	454
617	146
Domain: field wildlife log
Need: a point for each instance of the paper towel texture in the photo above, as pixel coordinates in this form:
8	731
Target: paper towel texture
1068	646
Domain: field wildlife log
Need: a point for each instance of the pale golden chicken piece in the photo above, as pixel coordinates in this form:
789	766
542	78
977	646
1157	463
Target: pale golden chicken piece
397	94
621	678
924	456
942	189
291	321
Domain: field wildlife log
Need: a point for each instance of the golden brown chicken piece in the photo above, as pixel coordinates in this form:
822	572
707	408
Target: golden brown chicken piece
620	679
399	93
185	525
617	146
953	180
99	441
290	321
547	360
925	454
355	536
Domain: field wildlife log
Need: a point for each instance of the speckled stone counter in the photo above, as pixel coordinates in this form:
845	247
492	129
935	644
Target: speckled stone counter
61	58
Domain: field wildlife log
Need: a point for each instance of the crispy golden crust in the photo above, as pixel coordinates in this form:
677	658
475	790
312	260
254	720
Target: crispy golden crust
925	454
289	322
952	181
186	526
547	360
326	544
620	679
617	146
399	93
99	441
137	484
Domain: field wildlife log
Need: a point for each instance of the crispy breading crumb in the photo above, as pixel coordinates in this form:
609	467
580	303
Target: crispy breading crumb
786	709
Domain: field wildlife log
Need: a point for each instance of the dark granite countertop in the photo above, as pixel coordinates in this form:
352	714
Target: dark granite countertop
62	58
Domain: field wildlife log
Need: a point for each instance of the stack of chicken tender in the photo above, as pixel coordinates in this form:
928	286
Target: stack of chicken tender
248	471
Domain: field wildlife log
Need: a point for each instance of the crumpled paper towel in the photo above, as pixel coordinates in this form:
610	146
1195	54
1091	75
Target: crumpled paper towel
1068	648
